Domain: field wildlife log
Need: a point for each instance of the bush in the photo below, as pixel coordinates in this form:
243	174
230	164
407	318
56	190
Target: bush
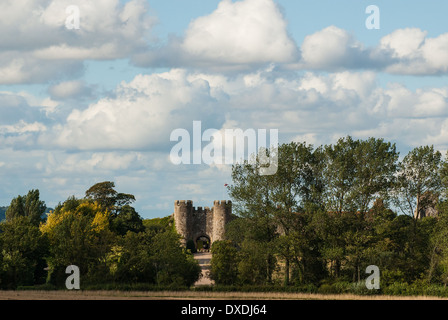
308	288
339	287
327	288
345	287
224	263
396	289
191	246
392	276
423	288
360	288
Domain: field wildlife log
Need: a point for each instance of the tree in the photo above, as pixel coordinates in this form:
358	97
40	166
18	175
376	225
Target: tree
357	172
293	187
224	263
270	203
438	267
358	239
419	174
154	256
173	265
376	163
339	174
22	252
387	245
78	234
256	263
106	196
329	228
134	262
16	208
29	206
123	217
444	176
126	220
252	194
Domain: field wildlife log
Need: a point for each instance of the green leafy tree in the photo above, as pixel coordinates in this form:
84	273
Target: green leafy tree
29	206
329	228
385	249
107	197
339	174
418	180
257	262
444	173
419	174
357	172
22	252
173	265
270	203
292	187
376	163
252	195
134	264
224	263
358	239
123	217
155	257
438	266
126	220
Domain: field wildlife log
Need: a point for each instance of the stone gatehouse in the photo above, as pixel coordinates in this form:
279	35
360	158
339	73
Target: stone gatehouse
201	223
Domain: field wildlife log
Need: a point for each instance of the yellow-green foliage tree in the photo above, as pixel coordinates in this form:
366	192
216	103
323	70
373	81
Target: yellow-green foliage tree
78	233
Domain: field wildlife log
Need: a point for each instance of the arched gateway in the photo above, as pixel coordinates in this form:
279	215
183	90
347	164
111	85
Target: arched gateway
203	243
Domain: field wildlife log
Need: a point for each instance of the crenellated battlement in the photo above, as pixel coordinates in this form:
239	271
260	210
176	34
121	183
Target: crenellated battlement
222	202
201	210
183	203
195	222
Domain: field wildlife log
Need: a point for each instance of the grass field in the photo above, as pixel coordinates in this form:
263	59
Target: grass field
189	295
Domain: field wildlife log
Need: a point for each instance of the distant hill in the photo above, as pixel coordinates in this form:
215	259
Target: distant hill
3	213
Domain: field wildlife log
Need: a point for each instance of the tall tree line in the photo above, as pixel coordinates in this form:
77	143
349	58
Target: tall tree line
331	211
101	233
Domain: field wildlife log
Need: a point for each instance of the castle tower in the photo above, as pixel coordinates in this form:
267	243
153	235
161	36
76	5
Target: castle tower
222	210
182	218
192	223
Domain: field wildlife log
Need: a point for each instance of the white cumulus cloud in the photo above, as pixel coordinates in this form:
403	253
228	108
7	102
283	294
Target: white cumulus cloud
36	46
236	36
249	31
141	115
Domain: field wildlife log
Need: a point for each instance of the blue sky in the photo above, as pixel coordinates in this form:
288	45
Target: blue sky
99	103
